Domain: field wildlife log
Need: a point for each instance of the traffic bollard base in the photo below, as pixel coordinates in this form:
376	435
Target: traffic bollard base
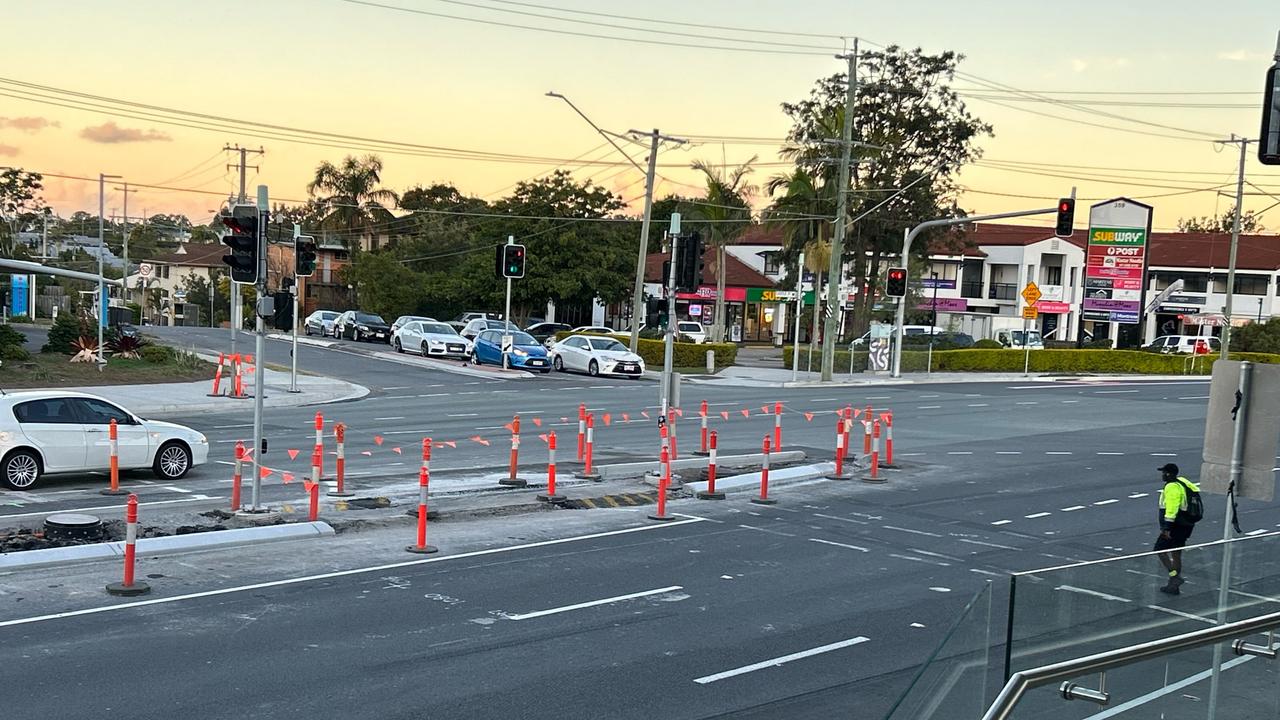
876	480
764	501
843	476
134	590
423	550
704	495
335	493
551	498
894	466
587	476
664	518
508	482
109	491
701	453
293	391
431	514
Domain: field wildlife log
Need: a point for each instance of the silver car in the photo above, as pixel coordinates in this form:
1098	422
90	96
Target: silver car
431	339
320	323
596	355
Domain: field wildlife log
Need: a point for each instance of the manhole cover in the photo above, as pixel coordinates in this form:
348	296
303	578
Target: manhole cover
72	526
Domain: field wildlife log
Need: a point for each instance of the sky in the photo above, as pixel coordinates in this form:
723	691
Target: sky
364	69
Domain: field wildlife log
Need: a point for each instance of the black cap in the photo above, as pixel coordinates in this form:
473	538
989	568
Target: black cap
1169	468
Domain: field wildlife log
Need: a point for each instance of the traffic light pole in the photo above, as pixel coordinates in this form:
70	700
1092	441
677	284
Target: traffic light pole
668	338
506	316
260	371
293	353
909	236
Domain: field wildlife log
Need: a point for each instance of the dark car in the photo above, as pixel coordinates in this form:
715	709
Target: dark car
361	326
544	331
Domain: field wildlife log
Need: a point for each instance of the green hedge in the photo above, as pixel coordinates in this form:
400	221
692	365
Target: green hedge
684	355
1045	361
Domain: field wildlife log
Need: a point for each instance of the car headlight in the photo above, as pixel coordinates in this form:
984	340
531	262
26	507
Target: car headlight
362	327
519	353
436	342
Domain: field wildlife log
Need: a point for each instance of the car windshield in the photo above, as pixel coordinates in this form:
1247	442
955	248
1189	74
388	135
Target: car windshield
497	325
606	344
690	326
370	318
438	329
328	315
1018	335
522	338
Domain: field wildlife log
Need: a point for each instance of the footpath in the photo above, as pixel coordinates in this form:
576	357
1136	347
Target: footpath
763	377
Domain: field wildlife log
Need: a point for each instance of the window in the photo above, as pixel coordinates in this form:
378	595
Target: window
771	263
1251	285
53	410
1191	282
100	412
1052	274
1218	284
945	271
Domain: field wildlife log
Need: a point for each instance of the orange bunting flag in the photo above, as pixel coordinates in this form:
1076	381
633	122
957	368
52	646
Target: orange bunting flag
542	437
724	414
537	422
287	477
293	454
746	412
510	427
679	413
377	439
626	418
453	444
366	452
764	409
265	472
477	438
808	417
397	451
645	414
608	419
307	485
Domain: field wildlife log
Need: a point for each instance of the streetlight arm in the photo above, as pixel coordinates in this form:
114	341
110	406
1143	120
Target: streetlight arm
603	134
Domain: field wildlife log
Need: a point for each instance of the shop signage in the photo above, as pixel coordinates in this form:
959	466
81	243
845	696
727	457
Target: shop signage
1116	260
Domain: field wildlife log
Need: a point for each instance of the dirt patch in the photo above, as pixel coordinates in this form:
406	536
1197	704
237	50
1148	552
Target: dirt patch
57	370
23	539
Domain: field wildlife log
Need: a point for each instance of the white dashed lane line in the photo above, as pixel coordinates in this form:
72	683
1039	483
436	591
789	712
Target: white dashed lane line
1033	516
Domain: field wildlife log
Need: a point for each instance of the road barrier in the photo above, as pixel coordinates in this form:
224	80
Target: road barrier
315	466
318	455
777	426
550	495
588	470
764	498
313	498
340	463
113	449
663	484
664	450
424	478
710	493
842	435
236	476
875	454
129	588
702	418
866	434
511	480
237	386
582	430
848	426
217	376
888	439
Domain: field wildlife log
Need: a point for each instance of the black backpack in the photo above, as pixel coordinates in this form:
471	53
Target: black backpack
1195	506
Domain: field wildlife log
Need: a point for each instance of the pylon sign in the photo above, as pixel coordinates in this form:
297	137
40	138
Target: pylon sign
1116	261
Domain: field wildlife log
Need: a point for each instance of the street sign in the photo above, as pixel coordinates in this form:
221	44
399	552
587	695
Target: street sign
145	270
1031	293
507	343
1030	313
1257	479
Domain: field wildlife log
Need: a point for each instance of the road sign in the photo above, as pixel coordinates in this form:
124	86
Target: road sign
1031	293
507	343
145	270
1030	313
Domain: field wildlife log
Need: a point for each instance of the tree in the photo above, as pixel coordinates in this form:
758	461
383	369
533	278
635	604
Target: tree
348	196
803	205
1249	223
722	216
906	105
20	205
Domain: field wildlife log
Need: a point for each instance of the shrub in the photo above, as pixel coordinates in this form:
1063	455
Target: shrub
20	319
1046	361
986	344
85	349
10	337
66	329
14	352
156	354
125	346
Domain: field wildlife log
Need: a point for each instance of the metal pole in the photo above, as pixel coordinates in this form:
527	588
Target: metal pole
1235	242
236	299
260	372
637	293
795	346
102	249
506	315
1026	345
125	246
818	303
1236	470
668	346
835	273
293	353
933	323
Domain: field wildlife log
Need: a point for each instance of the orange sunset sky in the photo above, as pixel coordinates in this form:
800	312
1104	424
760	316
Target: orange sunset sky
472	76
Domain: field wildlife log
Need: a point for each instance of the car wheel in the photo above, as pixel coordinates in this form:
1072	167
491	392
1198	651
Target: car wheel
306	330
173	460
21	469
558	363
593	369
423	349
396	342
475	359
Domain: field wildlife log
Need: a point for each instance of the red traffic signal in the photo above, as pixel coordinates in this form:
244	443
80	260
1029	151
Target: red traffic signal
1066	218
896	284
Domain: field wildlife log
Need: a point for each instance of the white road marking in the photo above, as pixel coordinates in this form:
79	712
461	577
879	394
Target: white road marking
1135	496
1058	452
960	452
1070	401
919	560
1179	613
766	530
1195	397
978	405
909	530
813	400
880	397
593	603
1164	454
1112	392
101	508
1033	516
940	589
395	417
435	395
462	415
778	661
1094	593
1001	522
842	519
1033	402
228	427
398	387
1106	502
1109	453
980	571
171	488
929	407
1073	508
926	397
398	397
843	545
987	544
337	573
1008	452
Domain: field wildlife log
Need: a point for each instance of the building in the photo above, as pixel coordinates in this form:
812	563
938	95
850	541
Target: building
752	310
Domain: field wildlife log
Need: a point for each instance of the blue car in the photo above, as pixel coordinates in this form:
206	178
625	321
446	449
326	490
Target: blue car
526	352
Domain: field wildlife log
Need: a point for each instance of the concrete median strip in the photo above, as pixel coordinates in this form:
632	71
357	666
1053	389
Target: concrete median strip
637	469
168	545
751	480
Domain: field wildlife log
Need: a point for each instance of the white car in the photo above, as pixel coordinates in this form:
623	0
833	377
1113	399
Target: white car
595	330
431	339
692	330
478	325
596	356
52	432
320	323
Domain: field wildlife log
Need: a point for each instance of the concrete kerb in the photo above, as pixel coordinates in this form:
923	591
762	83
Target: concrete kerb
763	380
456	367
618	471
751	481
168	545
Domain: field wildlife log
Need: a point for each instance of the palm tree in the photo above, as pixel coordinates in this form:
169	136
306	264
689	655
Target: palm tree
727	215
349	198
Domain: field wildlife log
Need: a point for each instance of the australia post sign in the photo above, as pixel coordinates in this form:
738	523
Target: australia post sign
1116	261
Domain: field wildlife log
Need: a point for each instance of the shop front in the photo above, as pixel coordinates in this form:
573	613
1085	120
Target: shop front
752	314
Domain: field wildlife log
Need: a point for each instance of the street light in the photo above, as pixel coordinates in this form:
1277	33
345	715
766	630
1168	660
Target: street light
102	249
933	323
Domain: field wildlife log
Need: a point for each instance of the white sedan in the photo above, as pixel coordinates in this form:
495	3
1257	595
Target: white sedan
49	433
431	339
596	356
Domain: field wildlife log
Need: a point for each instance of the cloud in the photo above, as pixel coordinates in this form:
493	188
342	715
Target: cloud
110	133
1241	55
8	151
28	124
1079	65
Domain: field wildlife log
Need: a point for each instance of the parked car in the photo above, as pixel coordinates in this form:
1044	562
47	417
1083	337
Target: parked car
526	353
595	330
361	326
1020	339
1185	344
596	356
545	332
467	317
692	330
457	326
320	323
431	339
403	319
479	325
907	330
55	432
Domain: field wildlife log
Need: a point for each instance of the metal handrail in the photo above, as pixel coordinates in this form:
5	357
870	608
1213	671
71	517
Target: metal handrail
1023	680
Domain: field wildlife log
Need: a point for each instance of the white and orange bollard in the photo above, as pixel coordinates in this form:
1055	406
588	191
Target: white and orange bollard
866	434
217	376
588	453
671	432
887	416
319	449
236	476
764	498
711	493
425	468
874	476
551	495
777	426
582	430
421	547
511	480
113	446
842	435
130	588
237	385
702	420
340	462
663	484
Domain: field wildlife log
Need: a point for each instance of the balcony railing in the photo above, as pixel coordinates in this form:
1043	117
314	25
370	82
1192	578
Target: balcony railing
971	289
1002	291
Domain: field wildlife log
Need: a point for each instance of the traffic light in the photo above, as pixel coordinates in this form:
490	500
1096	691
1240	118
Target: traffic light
509	261
689	259
1269	139
244	239
304	256
896	285
1066	217
282	313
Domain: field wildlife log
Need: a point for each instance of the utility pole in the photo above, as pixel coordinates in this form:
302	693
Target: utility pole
637	293
237	299
125	189
835	273
1235	242
668	338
